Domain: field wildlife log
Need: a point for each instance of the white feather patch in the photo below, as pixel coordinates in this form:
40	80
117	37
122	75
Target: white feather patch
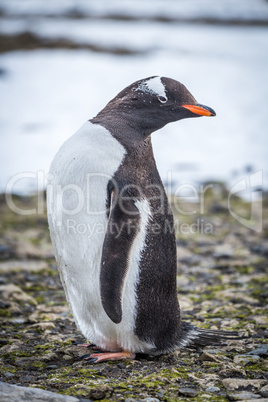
78	181
129	301
153	85
77	193
190	336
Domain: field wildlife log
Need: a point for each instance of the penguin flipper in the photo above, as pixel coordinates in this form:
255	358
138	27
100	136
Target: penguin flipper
122	228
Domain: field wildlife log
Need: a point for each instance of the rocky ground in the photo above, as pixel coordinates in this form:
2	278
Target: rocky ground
222	283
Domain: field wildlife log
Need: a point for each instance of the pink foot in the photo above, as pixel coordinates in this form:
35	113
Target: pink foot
85	345
101	357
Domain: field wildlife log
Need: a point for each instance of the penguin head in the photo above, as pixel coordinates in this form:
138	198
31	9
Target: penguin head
153	102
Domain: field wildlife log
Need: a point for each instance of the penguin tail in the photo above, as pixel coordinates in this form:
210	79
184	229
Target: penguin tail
192	336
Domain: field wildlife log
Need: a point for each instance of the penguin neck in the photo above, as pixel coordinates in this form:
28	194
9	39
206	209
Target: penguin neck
125	130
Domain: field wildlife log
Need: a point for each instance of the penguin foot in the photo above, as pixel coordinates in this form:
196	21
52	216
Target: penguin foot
85	345
101	357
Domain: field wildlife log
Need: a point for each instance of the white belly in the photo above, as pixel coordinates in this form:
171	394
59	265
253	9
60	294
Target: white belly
77	195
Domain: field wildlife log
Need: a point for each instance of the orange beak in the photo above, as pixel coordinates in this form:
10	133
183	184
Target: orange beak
200	110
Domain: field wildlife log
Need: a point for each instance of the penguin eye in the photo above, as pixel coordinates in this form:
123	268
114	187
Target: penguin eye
162	99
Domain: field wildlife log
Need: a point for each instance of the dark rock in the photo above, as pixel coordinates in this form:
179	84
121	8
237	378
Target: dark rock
218	209
2	280
190	392
262	350
6	252
4	304
264	391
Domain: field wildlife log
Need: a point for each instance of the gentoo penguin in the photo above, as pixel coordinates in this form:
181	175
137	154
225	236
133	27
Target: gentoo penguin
112	228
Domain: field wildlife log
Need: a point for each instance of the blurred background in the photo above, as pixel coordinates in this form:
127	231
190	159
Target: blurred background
62	61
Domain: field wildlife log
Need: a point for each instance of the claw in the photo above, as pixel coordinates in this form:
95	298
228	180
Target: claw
93	360
87	356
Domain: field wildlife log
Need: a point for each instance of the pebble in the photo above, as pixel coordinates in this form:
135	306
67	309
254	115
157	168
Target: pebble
150	400
191	392
140	400
243	396
208	357
19	320
223	251
260	319
67	357
2	280
7	374
245	359
212	389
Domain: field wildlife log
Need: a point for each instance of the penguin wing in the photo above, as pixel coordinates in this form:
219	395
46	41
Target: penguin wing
122	228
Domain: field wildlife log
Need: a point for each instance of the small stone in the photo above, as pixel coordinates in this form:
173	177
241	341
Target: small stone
243	396
99	393
4	304
232	372
245	359
27	379
209	357
13	292
223	251
191	392
264	391
67	357
150	400
11	347
260	319
18	320
133	400
48	357
233	384
212	389
52	366
213	351
7	374
42	325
